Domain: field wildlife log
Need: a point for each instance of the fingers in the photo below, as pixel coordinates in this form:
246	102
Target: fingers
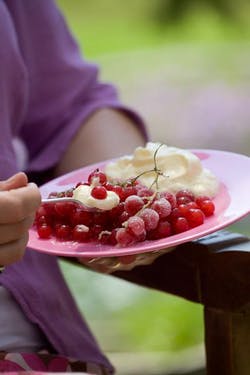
18	180
12	232
19	201
18	204
13	251
123	263
102	265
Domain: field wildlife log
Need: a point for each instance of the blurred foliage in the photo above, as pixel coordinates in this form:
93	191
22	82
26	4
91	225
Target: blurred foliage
157	322
175	10
126	317
104	26
110	26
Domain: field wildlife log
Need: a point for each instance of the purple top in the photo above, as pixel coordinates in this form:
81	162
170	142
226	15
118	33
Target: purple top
46	89
46	93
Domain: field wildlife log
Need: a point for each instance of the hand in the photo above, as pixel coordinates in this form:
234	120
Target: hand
19	201
123	263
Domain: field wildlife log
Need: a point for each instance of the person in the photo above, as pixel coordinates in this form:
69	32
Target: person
55	116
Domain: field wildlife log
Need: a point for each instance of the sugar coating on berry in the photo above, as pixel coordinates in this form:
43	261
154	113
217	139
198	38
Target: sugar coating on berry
163	207
97	178
150	218
124	237
136	225
133	204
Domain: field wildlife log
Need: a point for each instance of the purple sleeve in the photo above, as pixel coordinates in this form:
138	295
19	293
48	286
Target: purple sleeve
64	90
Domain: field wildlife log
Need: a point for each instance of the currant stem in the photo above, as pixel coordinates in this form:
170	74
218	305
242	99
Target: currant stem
157	171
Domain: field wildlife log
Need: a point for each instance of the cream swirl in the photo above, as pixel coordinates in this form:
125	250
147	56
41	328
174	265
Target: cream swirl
179	169
83	194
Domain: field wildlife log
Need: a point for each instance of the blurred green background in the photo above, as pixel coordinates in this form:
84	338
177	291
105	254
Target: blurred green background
185	66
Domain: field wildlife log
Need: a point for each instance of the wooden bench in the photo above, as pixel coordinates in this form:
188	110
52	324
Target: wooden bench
215	272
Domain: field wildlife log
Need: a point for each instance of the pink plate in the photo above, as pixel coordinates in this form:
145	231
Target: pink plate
232	203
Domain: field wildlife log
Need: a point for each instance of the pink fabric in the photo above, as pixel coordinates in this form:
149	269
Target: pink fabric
25	362
40	363
39	373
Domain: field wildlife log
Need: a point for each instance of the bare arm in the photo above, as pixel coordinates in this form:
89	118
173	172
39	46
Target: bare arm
106	134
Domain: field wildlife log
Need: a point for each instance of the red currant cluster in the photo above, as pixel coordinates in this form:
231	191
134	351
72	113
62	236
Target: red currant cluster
142	214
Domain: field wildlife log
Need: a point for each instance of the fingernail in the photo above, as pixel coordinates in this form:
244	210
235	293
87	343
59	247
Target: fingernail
32	184
11	178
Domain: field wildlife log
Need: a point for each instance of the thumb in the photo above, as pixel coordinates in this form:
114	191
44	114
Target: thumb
16	181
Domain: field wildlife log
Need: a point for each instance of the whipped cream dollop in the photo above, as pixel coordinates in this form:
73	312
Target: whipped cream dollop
83	194
180	169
